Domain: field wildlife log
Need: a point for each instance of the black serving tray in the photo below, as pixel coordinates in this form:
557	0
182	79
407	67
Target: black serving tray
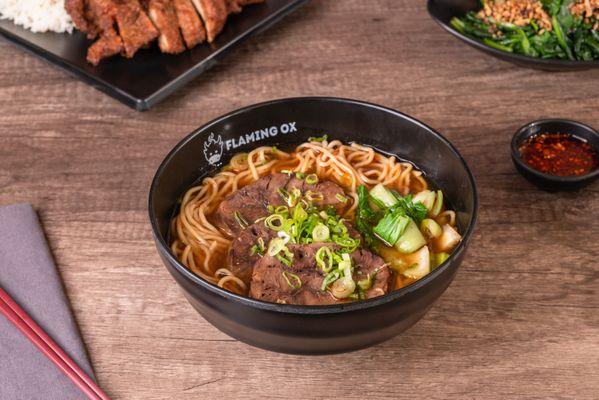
442	11
150	76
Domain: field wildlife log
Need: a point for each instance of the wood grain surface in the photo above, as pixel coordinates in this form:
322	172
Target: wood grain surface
521	319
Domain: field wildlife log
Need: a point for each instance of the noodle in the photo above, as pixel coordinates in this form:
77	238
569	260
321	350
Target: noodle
203	248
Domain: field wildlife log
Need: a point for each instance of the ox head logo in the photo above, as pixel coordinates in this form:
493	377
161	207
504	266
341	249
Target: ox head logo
213	149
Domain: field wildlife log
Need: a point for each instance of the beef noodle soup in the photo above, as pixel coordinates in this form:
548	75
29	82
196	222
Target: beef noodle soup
325	223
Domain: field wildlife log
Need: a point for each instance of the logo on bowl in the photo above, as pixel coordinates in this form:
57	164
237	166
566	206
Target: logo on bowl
213	149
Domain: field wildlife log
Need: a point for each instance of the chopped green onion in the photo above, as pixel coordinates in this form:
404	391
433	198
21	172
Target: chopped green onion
345	241
284	195
258	248
275	246
284	260
300	175
281	210
366	283
240	220
289	277
313	196
274	222
329	278
311	179
286	171
341	198
324	259
320	233
342	288
323	138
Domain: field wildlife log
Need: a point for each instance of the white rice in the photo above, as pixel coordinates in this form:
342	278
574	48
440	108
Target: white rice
37	15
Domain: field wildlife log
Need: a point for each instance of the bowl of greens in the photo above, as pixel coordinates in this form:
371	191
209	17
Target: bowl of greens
555	35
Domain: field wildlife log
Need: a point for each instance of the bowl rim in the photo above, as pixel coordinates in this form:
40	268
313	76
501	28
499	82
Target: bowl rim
164	248
541	62
524	133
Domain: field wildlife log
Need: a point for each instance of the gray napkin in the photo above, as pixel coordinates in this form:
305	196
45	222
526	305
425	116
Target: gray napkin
29	276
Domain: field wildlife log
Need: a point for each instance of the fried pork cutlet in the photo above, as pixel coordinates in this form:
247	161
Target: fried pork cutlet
108	45
164	17
102	14
77	10
135	27
214	13
191	26
233	7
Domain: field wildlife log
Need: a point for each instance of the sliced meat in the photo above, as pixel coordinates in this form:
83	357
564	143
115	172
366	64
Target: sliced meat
252	200
191	26
135	27
164	17
214	13
269	283
240	259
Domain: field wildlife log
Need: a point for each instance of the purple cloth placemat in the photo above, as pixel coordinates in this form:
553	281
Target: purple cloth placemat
29	276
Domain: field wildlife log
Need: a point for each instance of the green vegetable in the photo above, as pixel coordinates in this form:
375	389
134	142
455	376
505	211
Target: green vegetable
366	217
561	37
382	197
430	229
391	227
411	240
421	264
438	259
570	38
413	209
438	204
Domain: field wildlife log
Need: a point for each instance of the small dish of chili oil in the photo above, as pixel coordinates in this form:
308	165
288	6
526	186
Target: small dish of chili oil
557	154
560	154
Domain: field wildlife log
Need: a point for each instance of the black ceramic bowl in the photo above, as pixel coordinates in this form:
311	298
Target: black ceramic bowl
310	329
546	181
442	11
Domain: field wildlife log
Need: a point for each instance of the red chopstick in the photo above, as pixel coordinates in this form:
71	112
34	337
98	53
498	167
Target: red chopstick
29	328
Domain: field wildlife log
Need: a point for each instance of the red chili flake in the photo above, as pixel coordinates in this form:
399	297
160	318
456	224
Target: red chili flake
559	154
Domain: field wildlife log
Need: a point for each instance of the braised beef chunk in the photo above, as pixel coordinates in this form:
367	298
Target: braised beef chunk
300	283
241	259
251	202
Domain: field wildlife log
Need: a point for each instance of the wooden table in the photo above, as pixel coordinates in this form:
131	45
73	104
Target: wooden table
521	319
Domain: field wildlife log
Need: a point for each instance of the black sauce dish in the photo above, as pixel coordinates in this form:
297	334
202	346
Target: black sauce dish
312	329
442	11
552	182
